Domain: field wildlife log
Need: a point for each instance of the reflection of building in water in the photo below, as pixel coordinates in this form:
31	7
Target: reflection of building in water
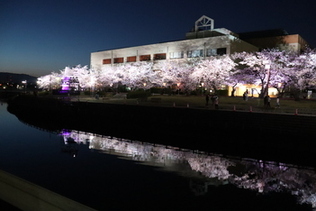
261	176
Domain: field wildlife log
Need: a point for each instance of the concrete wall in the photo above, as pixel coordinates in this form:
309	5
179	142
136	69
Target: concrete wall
30	197
286	137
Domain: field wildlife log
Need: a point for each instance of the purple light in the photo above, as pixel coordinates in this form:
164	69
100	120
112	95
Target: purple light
65	132
65	84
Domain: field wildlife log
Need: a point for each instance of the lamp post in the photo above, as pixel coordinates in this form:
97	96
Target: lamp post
178	85
202	87
266	90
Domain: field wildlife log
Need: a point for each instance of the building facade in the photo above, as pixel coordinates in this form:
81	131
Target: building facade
275	38
203	41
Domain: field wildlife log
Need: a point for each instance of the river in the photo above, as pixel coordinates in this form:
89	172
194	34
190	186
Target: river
112	173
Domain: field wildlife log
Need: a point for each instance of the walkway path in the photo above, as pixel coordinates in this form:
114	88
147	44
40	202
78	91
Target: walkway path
254	105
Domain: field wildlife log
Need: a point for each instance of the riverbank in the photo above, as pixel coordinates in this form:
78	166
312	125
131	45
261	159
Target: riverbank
267	136
286	105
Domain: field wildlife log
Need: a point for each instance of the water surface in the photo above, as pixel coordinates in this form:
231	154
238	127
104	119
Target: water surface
110	173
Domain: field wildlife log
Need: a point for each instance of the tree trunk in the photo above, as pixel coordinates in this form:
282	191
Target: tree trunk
296	95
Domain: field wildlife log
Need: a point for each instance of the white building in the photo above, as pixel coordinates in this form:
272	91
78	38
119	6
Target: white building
203	41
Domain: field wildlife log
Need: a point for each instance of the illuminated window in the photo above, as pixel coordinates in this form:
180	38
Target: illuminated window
131	59
195	53
176	55
144	58
106	61
211	52
159	56
118	60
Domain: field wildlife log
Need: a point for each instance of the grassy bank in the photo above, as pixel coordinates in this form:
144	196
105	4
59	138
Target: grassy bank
287	105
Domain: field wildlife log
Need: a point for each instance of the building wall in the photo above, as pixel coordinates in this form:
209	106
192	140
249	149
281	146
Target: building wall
203	42
171	50
239	45
294	42
288	42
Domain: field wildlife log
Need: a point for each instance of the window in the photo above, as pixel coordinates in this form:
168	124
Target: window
221	51
144	58
211	52
131	59
106	61
118	60
195	53
160	56
214	51
176	55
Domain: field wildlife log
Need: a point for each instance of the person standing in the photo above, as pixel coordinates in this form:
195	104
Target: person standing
216	101
278	102
213	99
207	99
268	101
246	95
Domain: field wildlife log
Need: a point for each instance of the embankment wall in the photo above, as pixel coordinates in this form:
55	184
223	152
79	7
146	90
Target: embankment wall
271	136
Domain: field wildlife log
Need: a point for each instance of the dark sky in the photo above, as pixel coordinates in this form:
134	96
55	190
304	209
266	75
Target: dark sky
38	37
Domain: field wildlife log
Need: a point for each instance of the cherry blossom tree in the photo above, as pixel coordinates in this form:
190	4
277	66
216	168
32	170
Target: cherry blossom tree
109	77
169	72
268	68
86	77
257	65
176	73
300	72
279	61
81	73
239	75
265	68
213	71
51	81
138	75
189	82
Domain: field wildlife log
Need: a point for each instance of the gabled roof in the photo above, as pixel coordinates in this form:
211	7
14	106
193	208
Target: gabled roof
204	23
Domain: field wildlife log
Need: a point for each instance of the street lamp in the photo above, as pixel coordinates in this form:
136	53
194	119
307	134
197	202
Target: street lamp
202	87
267	67
178	85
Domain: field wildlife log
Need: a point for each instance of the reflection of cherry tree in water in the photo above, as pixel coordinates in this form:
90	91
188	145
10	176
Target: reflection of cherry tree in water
210	166
255	175
262	176
270	177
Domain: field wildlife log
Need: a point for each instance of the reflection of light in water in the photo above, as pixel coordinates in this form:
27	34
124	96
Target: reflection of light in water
262	176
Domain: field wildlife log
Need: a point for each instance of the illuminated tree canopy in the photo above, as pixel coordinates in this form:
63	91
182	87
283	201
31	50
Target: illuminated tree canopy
268	68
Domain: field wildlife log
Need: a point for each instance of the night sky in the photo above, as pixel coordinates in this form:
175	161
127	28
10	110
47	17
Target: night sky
38	37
